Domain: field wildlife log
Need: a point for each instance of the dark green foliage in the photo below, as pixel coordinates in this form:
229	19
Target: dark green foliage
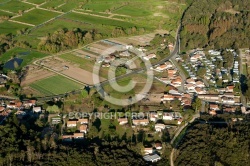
24	143
216	24
206	145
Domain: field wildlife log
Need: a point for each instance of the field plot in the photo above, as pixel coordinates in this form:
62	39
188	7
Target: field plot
36	16
35	73
133	11
55	85
135	40
3	13
60	23
7	27
98	20
62	5
36	1
72	66
85	54
53	4
15	6
27	55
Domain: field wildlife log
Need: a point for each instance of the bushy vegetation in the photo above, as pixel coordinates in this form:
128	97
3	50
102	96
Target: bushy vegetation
222	24
27	143
215	145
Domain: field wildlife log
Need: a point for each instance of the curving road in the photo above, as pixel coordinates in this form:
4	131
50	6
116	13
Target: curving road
172	54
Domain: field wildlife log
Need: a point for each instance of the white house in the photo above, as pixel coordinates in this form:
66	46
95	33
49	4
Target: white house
159	127
148	150
142	122
83	121
167	116
150	56
71	123
37	109
122	121
83	128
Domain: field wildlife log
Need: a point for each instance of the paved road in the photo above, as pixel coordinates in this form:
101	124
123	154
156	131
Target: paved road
172	54
177	134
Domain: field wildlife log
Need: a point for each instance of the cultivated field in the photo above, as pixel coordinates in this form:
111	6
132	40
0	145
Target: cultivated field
7	27
15	6
55	85
36	16
35	73
72	66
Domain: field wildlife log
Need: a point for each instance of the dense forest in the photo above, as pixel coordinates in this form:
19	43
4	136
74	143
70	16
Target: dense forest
215	145
31	142
216	24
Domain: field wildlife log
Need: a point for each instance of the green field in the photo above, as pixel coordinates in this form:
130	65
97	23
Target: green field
55	85
7	27
15	6
53	4
27	55
99	21
133	11
85	64
36	1
2	13
36	16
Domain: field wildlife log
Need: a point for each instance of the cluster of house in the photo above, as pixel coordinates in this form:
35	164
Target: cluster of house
3	80
198	59
153	117
225	98
82	127
236	77
173	76
151	152
20	108
214	109
185	98
195	86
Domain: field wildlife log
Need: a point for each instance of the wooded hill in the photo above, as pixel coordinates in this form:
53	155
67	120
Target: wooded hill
216	24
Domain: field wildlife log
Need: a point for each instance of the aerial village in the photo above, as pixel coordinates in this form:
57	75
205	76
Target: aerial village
185	82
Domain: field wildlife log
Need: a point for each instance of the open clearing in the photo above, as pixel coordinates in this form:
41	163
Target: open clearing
55	85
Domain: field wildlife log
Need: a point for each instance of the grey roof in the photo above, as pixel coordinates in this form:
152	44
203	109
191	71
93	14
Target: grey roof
152	158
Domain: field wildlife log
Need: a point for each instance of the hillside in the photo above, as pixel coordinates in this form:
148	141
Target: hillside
216	24
215	145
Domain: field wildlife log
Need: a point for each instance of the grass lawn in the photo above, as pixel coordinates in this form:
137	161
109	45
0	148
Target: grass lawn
55	85
7	27
36	16
14	6
27	55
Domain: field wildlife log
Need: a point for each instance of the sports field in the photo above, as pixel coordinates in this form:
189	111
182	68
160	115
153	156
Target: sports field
55	85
